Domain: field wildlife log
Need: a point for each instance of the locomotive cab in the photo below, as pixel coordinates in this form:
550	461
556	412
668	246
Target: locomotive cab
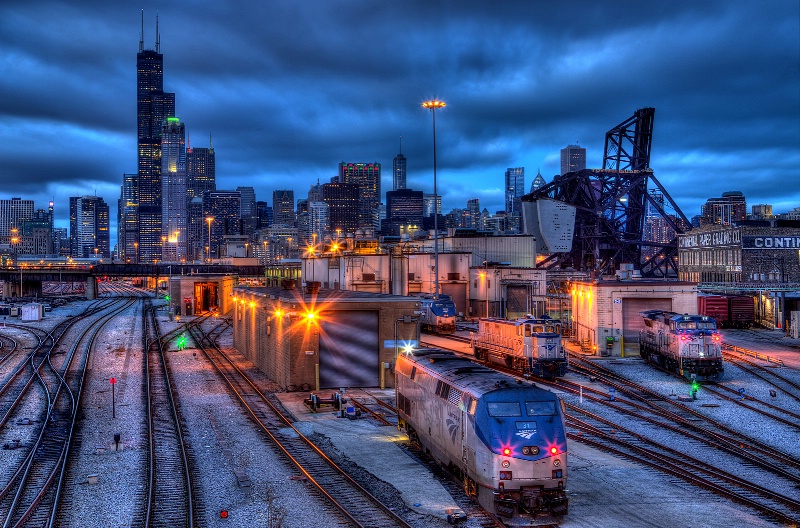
528	451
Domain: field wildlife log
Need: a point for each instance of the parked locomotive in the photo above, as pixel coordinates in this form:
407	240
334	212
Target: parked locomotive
687	344
529	345
505	439
438	314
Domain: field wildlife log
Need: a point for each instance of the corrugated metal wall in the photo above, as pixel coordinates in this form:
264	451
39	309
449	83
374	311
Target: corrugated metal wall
348	350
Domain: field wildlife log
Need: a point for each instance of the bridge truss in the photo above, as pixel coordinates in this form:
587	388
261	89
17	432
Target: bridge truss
612	205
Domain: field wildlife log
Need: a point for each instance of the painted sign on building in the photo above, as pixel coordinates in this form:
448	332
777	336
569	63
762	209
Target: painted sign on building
727	237
771	242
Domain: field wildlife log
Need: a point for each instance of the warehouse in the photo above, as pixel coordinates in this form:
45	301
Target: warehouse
314	339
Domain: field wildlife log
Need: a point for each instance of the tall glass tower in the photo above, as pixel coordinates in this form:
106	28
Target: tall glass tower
153	106
173	191
515	188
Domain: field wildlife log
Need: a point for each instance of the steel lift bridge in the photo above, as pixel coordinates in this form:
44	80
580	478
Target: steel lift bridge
609	208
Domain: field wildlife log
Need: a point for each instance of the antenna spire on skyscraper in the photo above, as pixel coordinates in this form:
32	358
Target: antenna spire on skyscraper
141	35
401	144
158	36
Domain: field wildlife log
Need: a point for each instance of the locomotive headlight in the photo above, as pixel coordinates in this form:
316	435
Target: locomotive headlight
505	463
530	450
556	462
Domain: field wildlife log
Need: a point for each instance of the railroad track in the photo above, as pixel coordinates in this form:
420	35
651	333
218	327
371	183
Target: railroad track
169	501
612	438
692	429
356	506
31	488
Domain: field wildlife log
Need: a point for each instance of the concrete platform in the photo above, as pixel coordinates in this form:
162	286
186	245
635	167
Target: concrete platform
374	448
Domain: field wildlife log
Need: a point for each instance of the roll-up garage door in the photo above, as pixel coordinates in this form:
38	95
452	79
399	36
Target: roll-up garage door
517	304
348	350
457	292
632	322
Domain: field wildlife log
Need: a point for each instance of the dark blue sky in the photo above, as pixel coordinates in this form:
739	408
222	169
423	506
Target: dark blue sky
289	89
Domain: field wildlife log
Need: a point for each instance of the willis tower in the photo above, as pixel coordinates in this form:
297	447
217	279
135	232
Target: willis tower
153	107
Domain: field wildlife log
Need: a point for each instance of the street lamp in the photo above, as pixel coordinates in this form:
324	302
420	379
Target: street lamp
136	252
209	219
432	105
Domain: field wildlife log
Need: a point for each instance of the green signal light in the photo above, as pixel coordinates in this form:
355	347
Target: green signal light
166	297
181	342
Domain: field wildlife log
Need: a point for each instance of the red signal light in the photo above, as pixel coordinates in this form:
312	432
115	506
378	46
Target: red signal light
553	450
223	514
506	451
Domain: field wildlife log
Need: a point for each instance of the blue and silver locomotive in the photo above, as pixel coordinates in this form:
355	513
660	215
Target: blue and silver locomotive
438	314
530	345
687	344
505	438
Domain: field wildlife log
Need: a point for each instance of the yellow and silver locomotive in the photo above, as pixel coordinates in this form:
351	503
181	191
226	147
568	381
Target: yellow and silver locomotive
531	345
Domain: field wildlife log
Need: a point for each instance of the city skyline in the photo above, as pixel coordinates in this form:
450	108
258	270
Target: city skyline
727	103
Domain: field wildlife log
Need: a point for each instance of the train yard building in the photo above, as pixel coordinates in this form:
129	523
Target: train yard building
312	339
606	318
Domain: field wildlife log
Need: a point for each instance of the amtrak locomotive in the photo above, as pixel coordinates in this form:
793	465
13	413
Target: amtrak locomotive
530	345
438	314
504	438
687	344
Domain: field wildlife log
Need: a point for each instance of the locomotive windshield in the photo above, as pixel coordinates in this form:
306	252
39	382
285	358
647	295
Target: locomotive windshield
540	408
696	325
503	409
532	408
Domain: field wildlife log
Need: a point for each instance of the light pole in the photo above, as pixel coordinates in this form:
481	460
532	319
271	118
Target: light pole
209	219
432	105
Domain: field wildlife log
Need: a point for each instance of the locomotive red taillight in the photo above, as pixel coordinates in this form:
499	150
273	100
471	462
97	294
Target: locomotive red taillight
553	450
507	451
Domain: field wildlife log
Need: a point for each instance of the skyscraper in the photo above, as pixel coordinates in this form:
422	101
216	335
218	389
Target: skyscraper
247	210
573	158
223	207
727	210
12	213
173	190
538	181
88	227
200	178
153	106
128	219
399	170
368	178
201	171
283	208
515	188
474	213
342	200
